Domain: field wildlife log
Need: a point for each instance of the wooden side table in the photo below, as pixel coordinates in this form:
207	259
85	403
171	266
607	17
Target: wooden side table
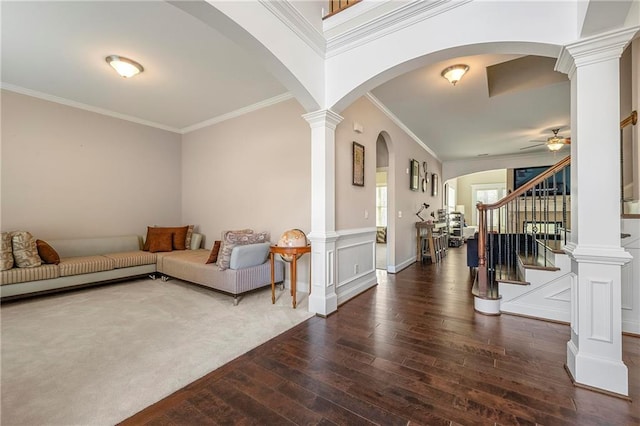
293	251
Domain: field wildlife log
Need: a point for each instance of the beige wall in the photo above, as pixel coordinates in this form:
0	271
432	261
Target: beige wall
253	171
69	173
352	201
464	193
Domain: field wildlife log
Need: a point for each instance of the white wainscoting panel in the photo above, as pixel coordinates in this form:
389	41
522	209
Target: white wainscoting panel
631	278
355	262
601	312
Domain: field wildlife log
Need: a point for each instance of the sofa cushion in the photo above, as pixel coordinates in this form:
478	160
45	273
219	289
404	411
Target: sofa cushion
21	275
25	250
233	239
132	258
6	252
95	246
47	253
179	235
215	250
249	255
85	265
196	241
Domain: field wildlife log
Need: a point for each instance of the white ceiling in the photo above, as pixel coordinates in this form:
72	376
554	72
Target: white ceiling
194	74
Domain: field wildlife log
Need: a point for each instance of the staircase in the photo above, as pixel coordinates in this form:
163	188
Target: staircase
543	285
522	268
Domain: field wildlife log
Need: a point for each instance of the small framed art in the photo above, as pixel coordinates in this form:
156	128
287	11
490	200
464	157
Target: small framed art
414	183
358	164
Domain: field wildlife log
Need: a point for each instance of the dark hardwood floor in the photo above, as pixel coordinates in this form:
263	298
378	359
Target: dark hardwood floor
409	351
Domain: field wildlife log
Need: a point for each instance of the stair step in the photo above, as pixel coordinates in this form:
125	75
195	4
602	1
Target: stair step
509	275
534	262
554	246
517	282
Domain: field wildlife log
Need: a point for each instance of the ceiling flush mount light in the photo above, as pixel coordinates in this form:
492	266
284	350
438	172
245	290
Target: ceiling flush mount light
455	72
124	66
556	142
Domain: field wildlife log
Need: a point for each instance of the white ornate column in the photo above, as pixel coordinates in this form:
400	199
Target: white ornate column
323	299
594	352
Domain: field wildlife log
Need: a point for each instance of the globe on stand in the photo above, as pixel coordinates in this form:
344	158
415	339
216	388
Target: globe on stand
292	238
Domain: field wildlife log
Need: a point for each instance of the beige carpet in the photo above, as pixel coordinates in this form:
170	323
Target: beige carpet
98	356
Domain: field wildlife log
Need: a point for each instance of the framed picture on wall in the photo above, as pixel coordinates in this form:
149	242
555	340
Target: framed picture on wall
358	164
414	183
434	184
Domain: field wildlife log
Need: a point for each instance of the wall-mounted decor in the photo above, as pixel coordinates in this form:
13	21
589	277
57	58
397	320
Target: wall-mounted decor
426	172
434	184
358	164
415	175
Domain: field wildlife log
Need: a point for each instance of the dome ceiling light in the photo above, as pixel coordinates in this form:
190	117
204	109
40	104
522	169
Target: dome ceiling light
455	72
126	67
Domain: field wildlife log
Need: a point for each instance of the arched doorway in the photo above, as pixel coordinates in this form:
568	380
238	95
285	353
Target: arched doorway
383	190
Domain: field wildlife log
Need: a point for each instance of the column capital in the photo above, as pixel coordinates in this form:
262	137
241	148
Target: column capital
603	255
324	117
591	50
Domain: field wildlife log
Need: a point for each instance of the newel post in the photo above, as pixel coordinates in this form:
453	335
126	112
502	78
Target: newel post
482	250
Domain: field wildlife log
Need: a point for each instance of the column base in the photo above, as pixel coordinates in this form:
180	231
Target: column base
598	374
323	306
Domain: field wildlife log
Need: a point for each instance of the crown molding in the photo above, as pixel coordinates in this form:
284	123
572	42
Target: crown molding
351	12
400	124
80	105
237	113
233	114
402	17
296	22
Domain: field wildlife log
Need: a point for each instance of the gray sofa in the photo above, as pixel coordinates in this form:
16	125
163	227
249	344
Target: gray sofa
91	261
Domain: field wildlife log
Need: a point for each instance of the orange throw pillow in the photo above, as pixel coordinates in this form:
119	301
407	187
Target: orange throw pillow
161	242
213	257
47	253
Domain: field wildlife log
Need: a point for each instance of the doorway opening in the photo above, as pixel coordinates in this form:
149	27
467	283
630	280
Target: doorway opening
382	175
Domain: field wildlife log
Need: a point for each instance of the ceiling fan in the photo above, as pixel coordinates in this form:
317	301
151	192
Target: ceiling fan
554	143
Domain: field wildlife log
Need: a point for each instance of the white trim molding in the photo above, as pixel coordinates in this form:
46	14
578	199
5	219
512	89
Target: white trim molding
297	23
404	16
386	111
237	113
86	107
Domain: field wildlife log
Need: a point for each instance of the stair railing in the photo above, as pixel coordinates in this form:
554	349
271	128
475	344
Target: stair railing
522	227
336	6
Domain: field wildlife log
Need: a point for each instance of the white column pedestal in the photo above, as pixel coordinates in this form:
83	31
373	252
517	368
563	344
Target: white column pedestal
323	299
594	353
